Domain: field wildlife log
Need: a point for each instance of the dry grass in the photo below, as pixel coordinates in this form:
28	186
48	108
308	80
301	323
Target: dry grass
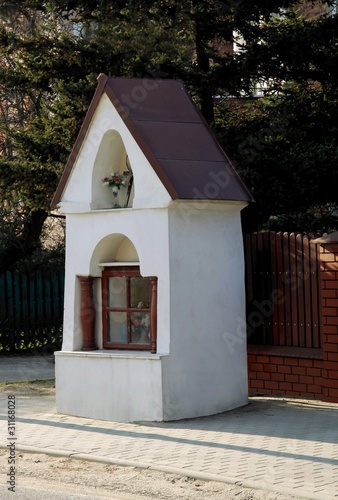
35	388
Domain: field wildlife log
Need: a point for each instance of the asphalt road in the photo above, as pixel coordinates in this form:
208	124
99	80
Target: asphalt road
22	368
44	492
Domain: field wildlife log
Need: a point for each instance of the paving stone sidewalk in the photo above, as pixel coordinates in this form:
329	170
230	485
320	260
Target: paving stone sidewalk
277	444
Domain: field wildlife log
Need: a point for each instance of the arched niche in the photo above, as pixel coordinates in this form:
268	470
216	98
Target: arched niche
114	248
111	158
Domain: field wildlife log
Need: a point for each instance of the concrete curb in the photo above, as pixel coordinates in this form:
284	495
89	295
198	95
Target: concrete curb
169	470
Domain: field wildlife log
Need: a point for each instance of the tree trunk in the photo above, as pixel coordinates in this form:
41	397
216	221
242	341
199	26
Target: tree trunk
203	66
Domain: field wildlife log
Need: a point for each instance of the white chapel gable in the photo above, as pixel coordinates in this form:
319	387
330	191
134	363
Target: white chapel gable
109	148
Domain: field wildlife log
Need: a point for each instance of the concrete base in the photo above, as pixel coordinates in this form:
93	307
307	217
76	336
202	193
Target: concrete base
138	386
120	387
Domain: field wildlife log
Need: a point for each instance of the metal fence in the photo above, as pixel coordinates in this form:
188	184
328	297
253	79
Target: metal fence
31	311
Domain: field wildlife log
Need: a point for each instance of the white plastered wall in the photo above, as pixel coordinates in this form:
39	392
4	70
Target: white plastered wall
112	384
84	251
206	371
201	365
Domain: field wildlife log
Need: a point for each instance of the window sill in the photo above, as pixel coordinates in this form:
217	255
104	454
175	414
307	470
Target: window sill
105	353
109	209
118	264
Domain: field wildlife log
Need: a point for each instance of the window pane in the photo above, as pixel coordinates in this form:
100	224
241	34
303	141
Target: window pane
117	327
139	293
117	292
140	327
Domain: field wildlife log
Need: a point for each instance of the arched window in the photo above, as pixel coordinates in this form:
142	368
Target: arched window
112	161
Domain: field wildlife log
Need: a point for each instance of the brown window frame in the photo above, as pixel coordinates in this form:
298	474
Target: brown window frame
129	272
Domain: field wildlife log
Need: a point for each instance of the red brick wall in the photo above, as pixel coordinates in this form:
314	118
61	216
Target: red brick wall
287	371
300	372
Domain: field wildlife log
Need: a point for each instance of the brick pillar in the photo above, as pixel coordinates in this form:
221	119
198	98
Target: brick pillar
329	311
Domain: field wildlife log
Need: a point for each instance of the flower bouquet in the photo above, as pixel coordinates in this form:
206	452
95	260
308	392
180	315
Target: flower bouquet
115	181
140	326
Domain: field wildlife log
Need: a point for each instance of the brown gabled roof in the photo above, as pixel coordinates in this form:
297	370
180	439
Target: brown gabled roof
172	134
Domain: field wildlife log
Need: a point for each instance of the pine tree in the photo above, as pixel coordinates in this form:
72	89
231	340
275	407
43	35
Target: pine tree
51	53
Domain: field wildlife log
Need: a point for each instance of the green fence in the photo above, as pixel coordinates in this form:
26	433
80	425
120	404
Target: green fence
31	311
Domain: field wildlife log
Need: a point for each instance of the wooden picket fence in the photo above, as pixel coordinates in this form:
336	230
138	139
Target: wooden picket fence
31	311
282	290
